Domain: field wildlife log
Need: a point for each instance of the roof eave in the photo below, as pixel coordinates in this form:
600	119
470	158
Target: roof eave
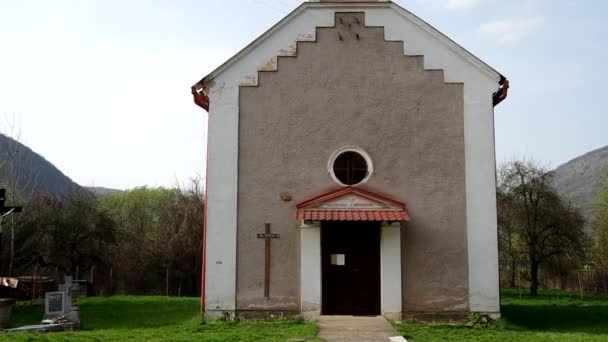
480	64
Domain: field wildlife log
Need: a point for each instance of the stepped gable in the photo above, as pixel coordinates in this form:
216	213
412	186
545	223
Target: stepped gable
349	28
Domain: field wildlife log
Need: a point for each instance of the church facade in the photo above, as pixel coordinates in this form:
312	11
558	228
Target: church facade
351	170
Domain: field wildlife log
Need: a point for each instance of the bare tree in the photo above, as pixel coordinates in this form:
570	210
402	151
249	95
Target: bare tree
508	241
600	232
544	225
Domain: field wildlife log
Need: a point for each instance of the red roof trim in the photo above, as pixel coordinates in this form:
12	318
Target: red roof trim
328	196
355	215
308	210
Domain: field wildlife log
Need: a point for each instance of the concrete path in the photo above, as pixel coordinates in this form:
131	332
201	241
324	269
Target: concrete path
356	329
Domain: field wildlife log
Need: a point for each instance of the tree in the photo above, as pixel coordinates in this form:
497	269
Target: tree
19	175
137	213
159	238
544	225
70	235
600	241
508	242
184	216
4	218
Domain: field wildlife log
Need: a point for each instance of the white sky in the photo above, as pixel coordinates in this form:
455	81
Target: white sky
101	87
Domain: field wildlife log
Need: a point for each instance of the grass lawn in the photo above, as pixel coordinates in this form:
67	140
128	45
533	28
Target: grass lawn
552	316
148	318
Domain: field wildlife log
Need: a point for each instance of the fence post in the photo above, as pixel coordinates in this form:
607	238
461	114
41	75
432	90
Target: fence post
519	285
57	280
34	283
167	283
91	280
580	287
37	292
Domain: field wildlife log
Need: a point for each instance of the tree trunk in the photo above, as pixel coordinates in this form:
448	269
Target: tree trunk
110	292
2	264
534	278
13	190
167	283
12	248
513	265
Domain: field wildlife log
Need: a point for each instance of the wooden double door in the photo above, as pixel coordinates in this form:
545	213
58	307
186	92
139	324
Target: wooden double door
350	260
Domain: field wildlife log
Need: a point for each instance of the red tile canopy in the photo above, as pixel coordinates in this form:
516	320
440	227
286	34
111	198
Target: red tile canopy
351	204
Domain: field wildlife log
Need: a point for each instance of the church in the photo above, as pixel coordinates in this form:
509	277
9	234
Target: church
351	170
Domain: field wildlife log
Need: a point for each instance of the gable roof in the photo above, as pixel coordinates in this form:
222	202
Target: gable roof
336	5
351	204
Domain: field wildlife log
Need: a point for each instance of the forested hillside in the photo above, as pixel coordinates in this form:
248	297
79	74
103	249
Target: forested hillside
101	191
30	172
579	179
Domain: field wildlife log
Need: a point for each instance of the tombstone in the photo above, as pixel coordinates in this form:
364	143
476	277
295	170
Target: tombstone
59	303
68	287
59	315
55	304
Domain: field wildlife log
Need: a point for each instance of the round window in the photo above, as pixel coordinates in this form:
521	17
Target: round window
350	167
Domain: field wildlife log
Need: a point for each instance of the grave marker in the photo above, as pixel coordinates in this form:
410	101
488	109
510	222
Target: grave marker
55	303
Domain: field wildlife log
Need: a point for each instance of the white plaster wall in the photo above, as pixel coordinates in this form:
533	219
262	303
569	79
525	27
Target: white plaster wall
419	39
221	209
390	271
310	270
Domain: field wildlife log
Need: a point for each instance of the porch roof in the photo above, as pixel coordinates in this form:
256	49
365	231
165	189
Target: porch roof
351	204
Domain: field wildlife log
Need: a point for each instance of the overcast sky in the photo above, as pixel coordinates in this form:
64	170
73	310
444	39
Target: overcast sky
101	88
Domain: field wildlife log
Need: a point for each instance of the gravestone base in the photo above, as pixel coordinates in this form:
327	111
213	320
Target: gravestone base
59	314
72	317
41	328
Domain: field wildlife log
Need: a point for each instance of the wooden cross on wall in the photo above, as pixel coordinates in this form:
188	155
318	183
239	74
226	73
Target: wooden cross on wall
267	235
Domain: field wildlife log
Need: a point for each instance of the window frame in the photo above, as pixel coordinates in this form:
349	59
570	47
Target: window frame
358	150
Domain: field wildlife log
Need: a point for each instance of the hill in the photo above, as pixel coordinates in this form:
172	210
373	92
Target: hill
100	191
33	172
579	179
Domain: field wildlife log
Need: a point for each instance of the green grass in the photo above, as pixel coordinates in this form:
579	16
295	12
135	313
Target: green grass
147	318
552	316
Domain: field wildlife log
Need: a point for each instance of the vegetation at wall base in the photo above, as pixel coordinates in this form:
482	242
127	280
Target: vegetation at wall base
154	318
550	316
